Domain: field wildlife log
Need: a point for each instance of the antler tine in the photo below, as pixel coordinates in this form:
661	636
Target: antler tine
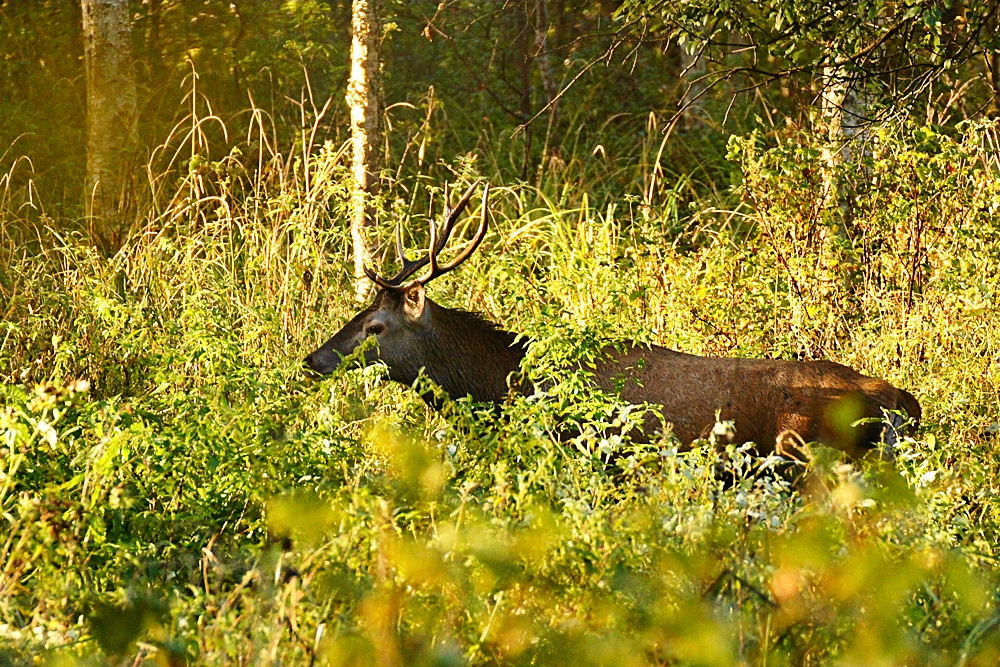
439	270
376	278
439	237
399	245
438	240
434	249
409	266
451	214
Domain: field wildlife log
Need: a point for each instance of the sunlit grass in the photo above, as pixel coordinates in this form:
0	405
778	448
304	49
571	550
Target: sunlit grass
197	498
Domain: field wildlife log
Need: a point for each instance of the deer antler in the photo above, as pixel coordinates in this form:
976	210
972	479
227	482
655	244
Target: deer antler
439	238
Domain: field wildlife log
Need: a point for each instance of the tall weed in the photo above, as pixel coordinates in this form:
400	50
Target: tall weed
163	459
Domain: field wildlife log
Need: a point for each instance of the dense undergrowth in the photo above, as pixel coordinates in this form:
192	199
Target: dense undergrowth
172	488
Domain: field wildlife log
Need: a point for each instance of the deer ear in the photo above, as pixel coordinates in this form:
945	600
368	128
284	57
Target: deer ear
413	301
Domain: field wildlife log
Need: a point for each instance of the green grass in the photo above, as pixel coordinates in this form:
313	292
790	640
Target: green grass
172	488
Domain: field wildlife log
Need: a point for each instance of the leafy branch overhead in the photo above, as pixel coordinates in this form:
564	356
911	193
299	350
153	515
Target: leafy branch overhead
893	51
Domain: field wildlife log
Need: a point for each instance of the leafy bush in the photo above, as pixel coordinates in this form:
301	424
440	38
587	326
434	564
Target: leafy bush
172	488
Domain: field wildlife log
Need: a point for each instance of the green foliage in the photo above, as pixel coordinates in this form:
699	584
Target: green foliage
888	52
173	489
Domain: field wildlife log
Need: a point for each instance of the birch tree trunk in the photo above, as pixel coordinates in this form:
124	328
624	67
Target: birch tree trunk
364	101
843	114
111	116
833	94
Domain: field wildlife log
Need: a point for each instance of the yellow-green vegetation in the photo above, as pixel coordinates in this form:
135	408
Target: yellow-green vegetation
175	490
172	488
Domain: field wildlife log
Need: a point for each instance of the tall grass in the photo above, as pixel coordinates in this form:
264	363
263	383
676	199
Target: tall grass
172	488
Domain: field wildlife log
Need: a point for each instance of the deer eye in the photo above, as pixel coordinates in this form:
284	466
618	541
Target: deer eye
374	329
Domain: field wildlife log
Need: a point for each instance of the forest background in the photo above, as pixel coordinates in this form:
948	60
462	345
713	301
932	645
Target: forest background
787	178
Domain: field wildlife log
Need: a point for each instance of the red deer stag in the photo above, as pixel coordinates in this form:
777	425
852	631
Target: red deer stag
772	402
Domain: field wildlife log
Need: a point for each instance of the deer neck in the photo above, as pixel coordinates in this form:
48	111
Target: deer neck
467	355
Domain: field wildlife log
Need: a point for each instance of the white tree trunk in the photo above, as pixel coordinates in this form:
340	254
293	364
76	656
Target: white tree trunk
363	99
111	113
843	114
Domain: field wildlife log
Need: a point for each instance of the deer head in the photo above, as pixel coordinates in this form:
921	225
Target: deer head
400	317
